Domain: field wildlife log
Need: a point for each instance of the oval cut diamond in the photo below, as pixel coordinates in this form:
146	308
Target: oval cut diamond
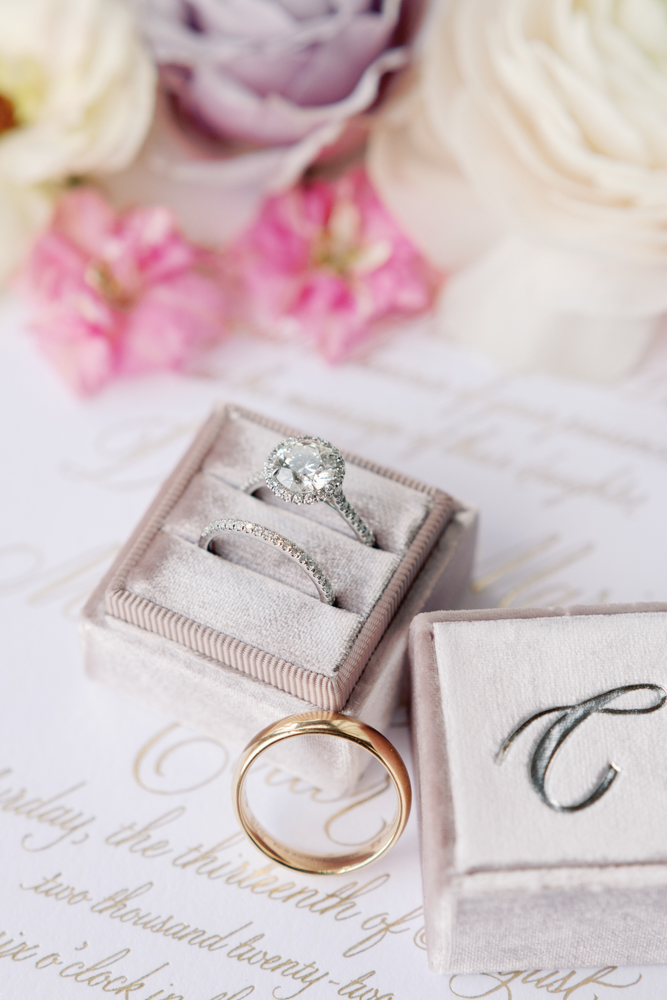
308	469
304	467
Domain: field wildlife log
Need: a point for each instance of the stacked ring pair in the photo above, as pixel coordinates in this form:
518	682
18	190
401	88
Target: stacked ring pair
298	470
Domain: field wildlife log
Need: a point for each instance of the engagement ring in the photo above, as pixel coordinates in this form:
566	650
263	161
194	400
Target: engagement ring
307	470
218	529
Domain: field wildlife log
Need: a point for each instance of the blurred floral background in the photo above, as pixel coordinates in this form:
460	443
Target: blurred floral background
318	170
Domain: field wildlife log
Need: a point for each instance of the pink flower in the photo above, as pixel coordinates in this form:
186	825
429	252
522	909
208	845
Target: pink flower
327	263
119	294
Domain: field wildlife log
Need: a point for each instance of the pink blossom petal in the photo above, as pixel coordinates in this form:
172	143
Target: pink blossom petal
83	360
85	219
172	324
54	267
328	262
123	294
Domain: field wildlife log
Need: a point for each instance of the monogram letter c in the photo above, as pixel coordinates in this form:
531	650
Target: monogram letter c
559	730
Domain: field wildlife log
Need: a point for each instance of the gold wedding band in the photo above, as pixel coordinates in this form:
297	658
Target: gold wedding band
342	727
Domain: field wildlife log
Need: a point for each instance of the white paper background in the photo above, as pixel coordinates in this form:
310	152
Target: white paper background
571	481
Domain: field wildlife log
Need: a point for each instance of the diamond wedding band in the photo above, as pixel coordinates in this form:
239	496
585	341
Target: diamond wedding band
217	529
307	470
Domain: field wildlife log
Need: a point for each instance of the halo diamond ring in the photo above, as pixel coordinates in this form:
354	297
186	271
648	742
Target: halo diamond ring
308	470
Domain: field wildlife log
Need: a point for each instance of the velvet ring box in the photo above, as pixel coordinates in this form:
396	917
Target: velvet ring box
541	741
230	641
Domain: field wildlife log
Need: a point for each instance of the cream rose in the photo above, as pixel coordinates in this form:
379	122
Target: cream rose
76	96
556	112
544	121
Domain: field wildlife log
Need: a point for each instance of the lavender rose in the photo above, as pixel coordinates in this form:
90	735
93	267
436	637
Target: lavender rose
273	72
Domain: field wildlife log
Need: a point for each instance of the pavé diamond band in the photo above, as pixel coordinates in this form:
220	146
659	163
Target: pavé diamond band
307	470
218	529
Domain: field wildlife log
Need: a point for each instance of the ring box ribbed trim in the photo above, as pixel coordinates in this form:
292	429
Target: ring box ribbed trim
327	692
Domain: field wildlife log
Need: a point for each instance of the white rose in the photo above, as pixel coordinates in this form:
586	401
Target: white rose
76	96
557	114
552	115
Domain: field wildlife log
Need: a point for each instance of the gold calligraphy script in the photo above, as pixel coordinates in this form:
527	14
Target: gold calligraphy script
571	717
565	984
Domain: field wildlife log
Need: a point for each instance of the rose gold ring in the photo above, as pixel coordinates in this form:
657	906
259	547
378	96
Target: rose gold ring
341	727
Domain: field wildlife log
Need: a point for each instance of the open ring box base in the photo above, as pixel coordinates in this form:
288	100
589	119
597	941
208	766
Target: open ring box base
230	641
510	881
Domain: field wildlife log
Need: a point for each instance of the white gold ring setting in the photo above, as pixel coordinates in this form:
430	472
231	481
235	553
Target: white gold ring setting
218	529
310	470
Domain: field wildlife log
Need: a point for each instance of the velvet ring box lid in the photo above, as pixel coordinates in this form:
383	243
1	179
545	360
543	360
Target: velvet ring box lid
232	640
541	742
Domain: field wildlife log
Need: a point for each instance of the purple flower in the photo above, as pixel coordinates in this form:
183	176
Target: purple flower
273	72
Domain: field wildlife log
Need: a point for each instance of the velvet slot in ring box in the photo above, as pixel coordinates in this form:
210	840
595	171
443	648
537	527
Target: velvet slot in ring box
540	738
230	645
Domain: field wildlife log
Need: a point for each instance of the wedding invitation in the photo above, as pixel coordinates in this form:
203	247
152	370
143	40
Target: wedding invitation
124	870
